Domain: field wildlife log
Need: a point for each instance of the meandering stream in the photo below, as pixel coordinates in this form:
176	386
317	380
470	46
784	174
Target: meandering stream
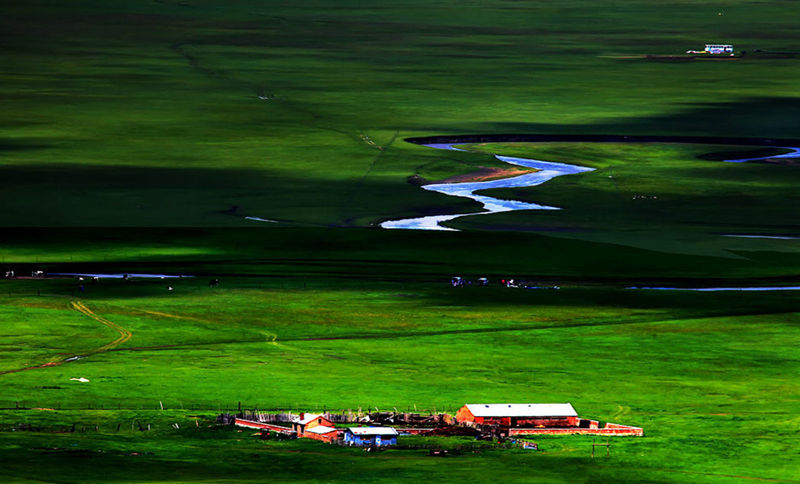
547	171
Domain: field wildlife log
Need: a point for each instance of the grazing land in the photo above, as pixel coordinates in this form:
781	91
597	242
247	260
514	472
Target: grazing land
199	114
709	376
653	195
140	136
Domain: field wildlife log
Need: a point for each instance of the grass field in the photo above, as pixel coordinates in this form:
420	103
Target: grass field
148	113
709	376
658	196
137	136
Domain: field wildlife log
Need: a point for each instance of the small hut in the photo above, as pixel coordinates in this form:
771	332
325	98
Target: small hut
370	436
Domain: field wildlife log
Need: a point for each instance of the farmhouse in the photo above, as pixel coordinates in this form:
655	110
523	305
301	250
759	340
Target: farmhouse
370	436
314	426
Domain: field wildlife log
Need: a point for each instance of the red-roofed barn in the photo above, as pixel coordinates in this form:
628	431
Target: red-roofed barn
519	414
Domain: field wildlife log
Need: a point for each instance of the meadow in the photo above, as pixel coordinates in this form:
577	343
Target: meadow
709	376
661	196
197	114
138	136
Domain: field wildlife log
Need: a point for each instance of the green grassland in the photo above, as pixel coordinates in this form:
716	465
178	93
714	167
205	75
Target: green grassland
395	255
147	113
709	376
136	136
657	196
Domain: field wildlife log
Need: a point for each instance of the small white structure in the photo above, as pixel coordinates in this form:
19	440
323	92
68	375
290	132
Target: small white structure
719	49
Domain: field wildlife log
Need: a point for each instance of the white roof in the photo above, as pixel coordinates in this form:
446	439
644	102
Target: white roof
372	431
308	418
522	409
321	429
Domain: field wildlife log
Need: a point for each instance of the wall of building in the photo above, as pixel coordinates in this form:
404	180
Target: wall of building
328	438
464	415
547	422
502	421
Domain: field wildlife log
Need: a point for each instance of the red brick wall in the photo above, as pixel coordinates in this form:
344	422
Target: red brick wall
240	422
617	430
502	421
329	437
547	422
610	425
412	431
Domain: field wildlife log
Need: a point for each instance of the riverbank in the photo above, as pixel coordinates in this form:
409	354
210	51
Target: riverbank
538	172
502	201
486	174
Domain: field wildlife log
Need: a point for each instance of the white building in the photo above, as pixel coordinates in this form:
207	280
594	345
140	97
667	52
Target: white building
719	49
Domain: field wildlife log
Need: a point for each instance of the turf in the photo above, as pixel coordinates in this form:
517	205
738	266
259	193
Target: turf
664	195
137	136
709	376
130	114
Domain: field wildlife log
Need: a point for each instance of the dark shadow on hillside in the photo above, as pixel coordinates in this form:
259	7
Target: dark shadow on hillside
766	117
17	145
120	195
88	177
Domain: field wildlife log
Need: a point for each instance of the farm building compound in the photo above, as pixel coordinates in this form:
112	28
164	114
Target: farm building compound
536	418
487	420
370	436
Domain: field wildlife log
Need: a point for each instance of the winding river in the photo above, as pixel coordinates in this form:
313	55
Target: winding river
547	171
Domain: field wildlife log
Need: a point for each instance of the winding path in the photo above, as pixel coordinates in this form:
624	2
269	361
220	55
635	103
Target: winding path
124	335
547	170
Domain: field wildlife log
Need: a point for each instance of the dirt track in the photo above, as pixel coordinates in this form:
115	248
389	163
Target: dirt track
124	335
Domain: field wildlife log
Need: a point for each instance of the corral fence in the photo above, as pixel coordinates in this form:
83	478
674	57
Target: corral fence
294	409
40	415
348	417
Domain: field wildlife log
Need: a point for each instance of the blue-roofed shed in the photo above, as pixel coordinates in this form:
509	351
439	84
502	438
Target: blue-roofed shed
370	436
